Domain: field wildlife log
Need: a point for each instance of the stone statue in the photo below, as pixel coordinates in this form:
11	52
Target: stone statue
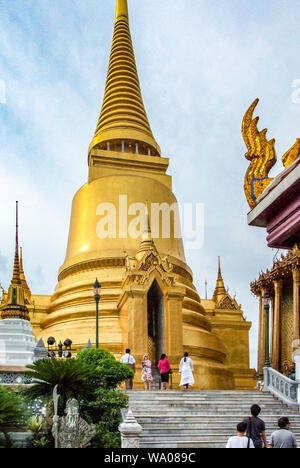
71	431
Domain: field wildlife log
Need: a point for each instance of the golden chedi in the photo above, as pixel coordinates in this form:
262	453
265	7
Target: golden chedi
148	300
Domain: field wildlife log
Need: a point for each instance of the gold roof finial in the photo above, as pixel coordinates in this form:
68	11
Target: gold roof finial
16	280
220	290
147	240
123	123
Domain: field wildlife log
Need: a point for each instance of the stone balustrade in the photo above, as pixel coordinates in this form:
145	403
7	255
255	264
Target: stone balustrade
130	431
283	388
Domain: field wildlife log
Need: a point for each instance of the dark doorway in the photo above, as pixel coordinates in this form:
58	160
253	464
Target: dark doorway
155	301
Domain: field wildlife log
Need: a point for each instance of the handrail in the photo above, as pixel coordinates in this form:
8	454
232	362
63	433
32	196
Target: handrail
285	389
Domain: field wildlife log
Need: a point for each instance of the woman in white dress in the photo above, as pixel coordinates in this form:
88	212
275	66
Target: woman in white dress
186	370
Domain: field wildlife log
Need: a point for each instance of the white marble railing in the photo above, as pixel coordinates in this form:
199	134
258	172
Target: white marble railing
285	389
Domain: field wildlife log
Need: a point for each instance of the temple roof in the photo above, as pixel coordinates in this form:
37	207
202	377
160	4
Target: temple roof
123	116
221	298
282	269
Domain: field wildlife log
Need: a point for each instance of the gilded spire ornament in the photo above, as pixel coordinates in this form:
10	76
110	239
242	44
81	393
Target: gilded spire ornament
123	123
15	306
147	240
220	290
221	295
262	154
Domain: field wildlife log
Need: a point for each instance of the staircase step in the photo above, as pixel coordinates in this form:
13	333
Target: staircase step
201	419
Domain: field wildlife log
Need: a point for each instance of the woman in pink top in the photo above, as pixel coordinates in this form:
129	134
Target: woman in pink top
164	366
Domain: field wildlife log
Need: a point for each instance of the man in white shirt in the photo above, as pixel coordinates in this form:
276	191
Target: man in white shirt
240	440
130	362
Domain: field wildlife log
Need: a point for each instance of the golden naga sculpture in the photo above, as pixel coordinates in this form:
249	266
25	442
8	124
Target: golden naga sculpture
292	154
262	154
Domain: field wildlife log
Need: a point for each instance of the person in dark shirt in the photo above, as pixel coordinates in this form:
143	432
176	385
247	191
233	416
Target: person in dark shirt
256	428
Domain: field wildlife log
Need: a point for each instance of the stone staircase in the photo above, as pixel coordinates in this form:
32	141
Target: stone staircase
202	419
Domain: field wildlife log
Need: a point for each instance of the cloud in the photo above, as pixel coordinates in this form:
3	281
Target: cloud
201	64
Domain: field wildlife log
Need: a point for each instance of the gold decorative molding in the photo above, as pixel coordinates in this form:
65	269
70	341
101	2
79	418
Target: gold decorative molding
228	303
140	272
91	265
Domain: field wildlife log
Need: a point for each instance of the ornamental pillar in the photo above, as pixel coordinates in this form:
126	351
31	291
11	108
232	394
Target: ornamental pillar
137	321
272	323
276	327
261	335
173	324
296	304
130	432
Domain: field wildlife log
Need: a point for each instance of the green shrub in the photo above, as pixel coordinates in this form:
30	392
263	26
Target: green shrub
11	407
92	357
105	412
70	375
107	371
12	411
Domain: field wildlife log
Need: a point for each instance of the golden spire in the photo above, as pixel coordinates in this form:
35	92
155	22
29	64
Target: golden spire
147	240
122	10
220	290
15	304
16	280
123	124
147	234
23	278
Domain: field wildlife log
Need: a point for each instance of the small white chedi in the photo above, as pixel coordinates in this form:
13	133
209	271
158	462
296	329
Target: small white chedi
17	343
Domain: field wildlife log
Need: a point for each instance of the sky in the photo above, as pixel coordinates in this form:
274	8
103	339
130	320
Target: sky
201	64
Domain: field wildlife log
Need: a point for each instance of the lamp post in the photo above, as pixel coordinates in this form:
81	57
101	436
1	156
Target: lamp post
97	291
266	301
